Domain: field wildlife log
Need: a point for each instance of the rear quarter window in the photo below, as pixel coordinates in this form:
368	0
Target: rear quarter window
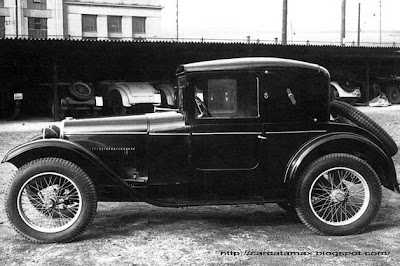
297	95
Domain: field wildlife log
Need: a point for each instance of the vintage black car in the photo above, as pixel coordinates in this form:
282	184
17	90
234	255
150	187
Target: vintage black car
247	131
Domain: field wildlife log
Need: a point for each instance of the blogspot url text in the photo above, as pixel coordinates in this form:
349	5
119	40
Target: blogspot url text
303	253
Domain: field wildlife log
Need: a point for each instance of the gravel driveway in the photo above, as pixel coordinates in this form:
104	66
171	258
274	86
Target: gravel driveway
138	233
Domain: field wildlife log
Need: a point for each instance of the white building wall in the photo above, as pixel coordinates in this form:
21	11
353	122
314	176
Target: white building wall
74	25
101	27
126	27
55	22
153	27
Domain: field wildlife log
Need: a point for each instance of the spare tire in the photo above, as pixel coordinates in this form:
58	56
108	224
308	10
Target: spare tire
81	91
360	119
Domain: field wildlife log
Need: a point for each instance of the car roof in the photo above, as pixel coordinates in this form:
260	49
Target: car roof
247	63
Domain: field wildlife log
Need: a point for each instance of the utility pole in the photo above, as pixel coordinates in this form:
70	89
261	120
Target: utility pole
343	24
380	22
284	22
16	18
177	20
359	25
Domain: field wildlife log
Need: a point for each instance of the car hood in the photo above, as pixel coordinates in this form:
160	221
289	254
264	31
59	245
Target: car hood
134	124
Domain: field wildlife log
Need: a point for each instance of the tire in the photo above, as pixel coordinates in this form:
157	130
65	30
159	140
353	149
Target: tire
115	104
81	91
338	194
362	120
50	200
393	94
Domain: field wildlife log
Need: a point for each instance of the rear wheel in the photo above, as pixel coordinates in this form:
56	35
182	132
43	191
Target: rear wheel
338	194
51	200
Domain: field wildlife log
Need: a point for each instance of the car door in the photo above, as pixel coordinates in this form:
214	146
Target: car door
225	136
293	105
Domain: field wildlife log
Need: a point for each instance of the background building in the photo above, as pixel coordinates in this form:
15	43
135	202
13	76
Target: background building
80	19
31	18
112	19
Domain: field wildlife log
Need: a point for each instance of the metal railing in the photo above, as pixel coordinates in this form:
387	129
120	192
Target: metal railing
247	40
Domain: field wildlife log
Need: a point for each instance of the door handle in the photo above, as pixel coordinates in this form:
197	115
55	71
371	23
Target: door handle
261	137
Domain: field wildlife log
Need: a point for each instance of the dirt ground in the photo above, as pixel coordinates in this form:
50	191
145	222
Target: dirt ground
141	234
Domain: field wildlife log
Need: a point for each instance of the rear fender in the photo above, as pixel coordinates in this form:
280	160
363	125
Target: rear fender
344	143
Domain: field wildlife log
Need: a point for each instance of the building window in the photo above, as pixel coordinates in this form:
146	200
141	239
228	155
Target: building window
1	3
37	27
114	24
138	25
2	27
37	4
89	23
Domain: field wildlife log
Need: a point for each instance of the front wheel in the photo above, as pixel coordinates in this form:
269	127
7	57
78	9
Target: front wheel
338	194
50	200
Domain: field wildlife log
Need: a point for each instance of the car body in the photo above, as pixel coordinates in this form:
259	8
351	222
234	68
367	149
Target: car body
77	99
345	92
121	96
248	131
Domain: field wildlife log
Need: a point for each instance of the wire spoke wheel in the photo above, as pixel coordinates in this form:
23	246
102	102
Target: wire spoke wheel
49	202
339	196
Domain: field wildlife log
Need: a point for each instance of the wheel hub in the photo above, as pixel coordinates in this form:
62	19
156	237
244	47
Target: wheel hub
338	195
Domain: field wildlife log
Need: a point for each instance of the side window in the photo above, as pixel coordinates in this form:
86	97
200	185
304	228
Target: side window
227	96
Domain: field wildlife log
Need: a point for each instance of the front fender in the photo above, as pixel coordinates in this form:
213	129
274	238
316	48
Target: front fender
344	143
39	147
70	151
